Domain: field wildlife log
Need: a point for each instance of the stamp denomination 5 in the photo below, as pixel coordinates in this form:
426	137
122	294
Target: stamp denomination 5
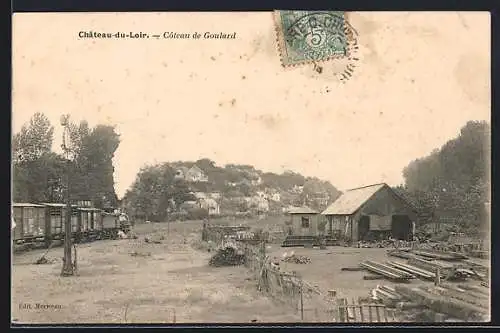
310	36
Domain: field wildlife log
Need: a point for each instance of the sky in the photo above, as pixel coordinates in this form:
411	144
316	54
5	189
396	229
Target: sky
419	78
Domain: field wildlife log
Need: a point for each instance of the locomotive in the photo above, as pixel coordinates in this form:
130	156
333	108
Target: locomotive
43	223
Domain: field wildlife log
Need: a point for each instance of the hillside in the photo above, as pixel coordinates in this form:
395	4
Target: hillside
234	188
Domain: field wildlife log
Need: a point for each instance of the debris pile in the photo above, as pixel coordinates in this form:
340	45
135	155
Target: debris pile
435	303
44	260
227	256
140	254
295	259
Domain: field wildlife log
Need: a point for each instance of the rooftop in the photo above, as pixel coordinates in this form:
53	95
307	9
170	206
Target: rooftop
350	201
301	210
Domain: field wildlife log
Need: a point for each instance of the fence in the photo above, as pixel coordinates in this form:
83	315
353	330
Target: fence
364	313
287	288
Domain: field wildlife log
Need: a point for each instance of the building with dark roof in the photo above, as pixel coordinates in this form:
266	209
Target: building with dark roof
371	212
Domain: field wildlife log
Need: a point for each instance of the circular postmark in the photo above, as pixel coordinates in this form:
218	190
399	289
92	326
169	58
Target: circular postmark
320	45
339	69
316	36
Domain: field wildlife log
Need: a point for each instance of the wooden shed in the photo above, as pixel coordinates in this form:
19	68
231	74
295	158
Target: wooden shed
370	213
304	221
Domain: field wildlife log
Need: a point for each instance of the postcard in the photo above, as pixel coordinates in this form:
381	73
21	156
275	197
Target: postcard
251	167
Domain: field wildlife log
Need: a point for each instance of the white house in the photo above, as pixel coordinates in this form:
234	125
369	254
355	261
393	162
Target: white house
258	203
211	205
215	195
195	174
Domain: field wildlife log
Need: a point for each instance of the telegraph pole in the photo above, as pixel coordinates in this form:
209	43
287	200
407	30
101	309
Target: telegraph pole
67	269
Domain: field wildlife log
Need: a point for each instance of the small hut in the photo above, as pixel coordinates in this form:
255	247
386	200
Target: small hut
304	221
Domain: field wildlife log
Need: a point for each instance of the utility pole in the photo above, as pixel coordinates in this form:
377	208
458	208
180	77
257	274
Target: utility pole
67	269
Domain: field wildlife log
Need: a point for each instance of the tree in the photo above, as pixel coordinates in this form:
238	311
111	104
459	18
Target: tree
37	172
453	181
92	151
33	140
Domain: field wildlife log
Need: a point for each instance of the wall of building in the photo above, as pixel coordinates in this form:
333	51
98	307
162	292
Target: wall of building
297	224
383	204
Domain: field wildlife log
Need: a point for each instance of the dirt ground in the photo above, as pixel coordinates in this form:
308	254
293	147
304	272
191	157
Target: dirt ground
164	283
172	282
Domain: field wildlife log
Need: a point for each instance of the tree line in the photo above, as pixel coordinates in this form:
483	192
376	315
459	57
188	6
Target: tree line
39	174
452	184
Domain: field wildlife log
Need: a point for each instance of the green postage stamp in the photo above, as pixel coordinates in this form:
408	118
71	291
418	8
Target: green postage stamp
310	36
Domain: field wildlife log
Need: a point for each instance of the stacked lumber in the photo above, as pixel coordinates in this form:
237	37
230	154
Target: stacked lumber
444	301
441	255
387	271
419	272
386	295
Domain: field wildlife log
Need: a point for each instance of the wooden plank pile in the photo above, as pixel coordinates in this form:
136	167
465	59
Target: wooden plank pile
425	264
448	301
388	271
434	303
440	255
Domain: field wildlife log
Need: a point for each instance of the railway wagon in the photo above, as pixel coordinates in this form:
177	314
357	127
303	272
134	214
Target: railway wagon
30	223
110	225
44	223
55	215
90	223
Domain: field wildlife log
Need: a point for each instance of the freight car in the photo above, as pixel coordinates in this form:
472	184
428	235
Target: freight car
44	223
30	223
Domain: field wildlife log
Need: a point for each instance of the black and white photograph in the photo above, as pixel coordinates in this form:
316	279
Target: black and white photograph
283	167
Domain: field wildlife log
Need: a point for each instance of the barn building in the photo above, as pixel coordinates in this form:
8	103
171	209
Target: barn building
303	221
370	213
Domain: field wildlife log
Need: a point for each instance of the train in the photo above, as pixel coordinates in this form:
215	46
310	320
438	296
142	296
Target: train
43	223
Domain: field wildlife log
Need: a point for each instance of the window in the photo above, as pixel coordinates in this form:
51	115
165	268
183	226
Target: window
305	222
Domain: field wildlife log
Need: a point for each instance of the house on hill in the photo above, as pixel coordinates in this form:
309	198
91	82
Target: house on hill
193	174
371	212
304	221
210	205
180	173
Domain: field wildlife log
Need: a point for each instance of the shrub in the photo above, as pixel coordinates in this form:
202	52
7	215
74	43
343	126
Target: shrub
197	214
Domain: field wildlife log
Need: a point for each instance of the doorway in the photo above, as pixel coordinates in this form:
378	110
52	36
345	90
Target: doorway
401	227
363	227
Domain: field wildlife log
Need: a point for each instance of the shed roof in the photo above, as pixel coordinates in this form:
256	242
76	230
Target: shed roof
350	201
301	210
51	204
25	204
89	209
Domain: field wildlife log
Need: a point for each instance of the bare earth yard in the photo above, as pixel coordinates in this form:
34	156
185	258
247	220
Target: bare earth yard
173	283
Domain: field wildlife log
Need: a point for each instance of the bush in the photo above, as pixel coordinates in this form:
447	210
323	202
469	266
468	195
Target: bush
197	214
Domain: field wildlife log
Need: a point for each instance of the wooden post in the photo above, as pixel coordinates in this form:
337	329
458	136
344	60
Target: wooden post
437	281
67	269
301	300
